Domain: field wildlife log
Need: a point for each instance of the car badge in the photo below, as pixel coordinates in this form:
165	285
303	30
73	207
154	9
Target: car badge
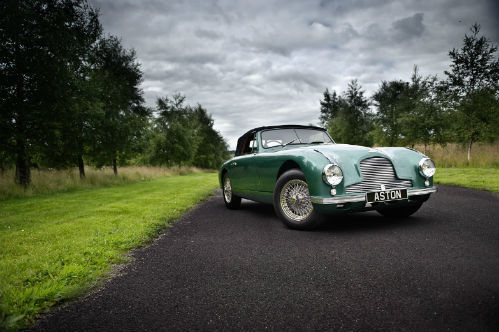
383	188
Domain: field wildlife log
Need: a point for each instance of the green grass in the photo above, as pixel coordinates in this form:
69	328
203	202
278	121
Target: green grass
55	247
456	155
476	178
50	181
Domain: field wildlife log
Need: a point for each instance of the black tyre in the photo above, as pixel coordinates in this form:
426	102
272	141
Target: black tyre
292	201
399	212
231	201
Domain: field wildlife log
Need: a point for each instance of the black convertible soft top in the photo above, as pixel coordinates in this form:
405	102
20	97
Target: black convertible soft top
242	139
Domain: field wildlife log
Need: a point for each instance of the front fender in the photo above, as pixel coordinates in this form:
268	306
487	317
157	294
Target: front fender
310	162
405	162
224	167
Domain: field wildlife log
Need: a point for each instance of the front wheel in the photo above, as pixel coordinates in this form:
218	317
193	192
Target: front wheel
399	212
231	201
292	201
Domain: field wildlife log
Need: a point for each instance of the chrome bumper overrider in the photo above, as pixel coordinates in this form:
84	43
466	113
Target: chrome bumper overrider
362	197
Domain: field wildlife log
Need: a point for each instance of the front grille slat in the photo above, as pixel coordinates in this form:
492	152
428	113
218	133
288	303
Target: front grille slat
375	172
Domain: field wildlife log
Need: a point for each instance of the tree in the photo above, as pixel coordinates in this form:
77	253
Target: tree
391	102
330	106
40	44
174	141
353	123
477	118
119	127
425	118
184	135
409	112
79	110
78	130
473	83
211	151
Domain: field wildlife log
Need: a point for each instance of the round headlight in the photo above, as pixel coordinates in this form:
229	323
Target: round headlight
427	167
332	174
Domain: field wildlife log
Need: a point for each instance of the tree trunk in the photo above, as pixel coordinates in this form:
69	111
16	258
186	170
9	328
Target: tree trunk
23	173
115	167
469	151
81	167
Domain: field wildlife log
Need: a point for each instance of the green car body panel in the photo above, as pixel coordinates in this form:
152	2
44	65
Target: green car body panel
254	175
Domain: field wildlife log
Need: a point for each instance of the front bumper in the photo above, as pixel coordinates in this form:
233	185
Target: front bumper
362	197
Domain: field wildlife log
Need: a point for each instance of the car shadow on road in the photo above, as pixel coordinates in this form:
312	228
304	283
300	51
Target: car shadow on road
367	221
265	210
349	222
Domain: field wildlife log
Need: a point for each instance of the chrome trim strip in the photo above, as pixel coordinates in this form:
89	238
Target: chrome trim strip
322	153
415	192
362	198
338	200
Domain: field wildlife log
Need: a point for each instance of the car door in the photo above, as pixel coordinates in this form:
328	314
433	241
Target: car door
243	171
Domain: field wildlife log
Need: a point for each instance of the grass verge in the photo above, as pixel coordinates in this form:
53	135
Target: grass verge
476	178
456	155
58	246
50	181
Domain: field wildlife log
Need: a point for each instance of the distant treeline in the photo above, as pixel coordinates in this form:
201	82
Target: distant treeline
69	95
462	108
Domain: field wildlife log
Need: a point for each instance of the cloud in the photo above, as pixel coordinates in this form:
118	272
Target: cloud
409	27
268	62
209	34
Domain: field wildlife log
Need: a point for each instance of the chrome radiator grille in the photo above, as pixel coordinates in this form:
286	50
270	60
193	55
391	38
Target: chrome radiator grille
377	171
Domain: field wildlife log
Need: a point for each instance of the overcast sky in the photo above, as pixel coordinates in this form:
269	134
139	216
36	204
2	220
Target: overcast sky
254	63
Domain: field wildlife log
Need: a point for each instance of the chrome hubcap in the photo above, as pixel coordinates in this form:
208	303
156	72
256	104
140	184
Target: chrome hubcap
227	189
295	200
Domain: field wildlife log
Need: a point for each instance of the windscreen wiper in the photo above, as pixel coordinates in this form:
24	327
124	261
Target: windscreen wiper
290	142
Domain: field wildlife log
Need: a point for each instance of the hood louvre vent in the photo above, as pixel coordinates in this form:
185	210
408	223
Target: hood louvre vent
377	171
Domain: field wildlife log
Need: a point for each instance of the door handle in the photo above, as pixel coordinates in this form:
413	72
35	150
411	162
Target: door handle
233	164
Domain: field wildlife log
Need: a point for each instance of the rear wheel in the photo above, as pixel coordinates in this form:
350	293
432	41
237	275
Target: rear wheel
292	201
399	212
231	201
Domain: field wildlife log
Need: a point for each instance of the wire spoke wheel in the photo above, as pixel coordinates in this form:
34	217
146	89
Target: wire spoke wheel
295	200
227	190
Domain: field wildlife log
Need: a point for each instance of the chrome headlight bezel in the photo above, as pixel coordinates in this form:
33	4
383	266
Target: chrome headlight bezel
332	174
427	167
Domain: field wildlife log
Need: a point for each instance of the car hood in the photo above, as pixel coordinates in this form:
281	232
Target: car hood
339	152
348	157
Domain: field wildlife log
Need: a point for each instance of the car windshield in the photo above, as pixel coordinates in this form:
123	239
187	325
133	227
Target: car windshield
283	137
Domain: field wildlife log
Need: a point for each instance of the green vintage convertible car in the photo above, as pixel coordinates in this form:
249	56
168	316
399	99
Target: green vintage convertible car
306	175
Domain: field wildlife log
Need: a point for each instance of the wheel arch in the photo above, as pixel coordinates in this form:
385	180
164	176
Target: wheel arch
286	166
221	177
311	165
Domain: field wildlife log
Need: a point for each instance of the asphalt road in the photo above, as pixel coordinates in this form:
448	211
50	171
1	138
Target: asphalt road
243	270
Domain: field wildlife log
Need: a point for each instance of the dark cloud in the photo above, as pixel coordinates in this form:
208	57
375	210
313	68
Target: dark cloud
201	33
344	7
268	62
299	80
409	27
